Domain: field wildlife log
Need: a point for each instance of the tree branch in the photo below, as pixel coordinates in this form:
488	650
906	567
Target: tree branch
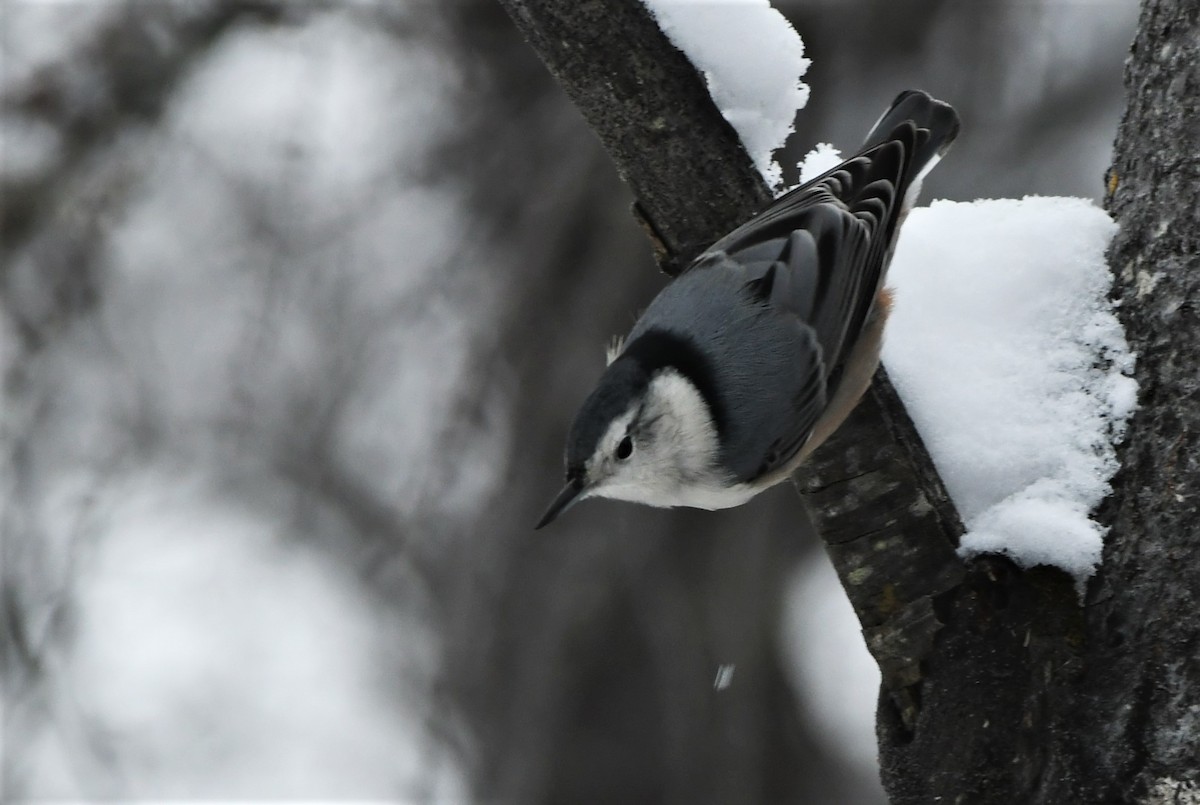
685	164
1139	706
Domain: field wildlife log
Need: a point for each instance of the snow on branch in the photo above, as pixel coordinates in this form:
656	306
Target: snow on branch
1007	353
752	60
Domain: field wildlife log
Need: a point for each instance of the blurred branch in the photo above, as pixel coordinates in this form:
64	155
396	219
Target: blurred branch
1084	96
124	76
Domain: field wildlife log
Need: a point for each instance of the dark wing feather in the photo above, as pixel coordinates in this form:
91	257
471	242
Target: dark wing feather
808	406
819	253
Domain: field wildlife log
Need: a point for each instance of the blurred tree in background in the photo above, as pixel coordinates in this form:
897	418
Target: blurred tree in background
298	300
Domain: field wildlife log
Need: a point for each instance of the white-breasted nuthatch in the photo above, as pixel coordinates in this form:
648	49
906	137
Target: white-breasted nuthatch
756	353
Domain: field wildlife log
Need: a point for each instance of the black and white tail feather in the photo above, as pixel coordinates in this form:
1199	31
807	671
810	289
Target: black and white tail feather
762	346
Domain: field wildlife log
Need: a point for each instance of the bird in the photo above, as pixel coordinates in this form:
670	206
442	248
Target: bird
758	350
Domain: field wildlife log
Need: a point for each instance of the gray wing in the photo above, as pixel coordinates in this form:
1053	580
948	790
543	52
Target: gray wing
785	296
820	251
819	254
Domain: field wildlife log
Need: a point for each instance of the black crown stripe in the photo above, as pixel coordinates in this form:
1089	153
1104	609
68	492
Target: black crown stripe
658	349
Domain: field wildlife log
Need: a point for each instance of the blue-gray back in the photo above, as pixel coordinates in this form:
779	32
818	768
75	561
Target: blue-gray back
762	362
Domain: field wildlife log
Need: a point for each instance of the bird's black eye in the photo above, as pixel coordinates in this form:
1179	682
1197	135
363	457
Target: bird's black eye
625	448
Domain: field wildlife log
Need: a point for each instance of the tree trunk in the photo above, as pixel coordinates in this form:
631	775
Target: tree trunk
1029	697
1138	703
998	686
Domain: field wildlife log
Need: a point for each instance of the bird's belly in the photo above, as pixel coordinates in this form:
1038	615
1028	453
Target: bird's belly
717	497
705	495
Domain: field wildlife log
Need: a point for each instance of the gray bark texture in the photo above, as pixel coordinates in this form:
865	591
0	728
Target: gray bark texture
998	686
1139	698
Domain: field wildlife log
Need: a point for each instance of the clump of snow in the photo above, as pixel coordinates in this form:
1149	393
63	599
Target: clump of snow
752	59
824	157
1008	356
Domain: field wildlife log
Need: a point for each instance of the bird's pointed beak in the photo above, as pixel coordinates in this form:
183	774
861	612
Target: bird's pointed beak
565	500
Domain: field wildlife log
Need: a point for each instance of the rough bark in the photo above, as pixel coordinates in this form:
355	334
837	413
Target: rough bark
1139	701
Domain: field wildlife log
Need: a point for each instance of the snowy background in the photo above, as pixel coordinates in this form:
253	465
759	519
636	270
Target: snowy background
298	301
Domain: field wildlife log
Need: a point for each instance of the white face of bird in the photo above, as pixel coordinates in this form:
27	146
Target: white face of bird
663	444
660	449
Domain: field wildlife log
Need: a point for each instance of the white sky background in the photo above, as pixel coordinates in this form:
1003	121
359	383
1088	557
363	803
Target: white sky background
829	663
220	642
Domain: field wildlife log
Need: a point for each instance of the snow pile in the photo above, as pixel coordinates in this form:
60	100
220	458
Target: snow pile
752	59
1011	363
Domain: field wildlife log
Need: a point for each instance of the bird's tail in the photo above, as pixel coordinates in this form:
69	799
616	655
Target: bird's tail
937	126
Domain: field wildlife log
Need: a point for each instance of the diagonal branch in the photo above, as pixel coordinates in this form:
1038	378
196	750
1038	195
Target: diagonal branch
692	179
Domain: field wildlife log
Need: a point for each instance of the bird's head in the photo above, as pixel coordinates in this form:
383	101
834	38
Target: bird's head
645	434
